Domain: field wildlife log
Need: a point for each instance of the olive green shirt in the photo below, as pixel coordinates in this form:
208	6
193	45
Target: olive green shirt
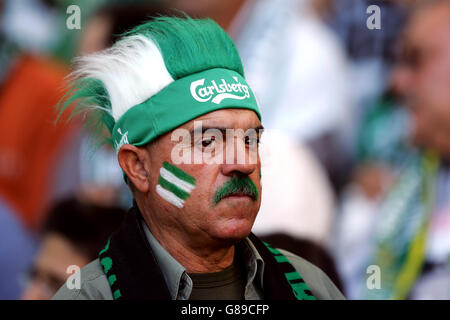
95	285
228	284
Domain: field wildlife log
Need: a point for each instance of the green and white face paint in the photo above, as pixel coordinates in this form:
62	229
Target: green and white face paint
174	185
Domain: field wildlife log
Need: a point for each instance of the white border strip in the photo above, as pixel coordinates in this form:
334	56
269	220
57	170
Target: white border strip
169	196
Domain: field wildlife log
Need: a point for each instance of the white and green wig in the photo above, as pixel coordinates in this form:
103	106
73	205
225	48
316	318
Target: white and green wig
159	76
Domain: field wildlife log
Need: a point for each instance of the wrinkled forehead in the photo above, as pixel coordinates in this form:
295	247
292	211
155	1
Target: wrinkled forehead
226	119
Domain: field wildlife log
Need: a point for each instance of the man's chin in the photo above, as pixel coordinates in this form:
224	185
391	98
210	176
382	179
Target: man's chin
236	207
234	222
235	230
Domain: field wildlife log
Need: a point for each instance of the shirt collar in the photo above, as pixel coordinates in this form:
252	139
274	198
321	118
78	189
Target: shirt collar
171	268
254	263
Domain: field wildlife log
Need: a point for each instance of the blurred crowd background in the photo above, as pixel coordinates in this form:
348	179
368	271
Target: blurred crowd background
355	157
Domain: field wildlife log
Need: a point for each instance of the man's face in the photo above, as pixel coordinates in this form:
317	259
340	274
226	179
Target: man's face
423	76
204	215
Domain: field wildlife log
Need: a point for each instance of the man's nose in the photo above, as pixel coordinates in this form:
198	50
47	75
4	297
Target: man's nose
238	169
240	160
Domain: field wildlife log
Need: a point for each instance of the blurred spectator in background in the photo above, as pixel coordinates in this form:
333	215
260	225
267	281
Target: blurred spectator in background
73	234
404	225
30	87
371	54
31	24
370	51
30	149
17	248
42	161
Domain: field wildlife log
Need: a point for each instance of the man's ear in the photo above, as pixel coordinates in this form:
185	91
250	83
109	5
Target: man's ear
132	161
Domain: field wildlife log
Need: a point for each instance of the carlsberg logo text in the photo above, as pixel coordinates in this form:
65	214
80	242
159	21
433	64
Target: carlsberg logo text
217	91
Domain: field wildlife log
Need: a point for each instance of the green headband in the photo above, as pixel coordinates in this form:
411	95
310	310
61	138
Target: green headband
181	101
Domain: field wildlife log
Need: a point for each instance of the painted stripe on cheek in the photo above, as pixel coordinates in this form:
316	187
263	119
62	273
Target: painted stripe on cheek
169	197
167	175
174	185
173	188
179	173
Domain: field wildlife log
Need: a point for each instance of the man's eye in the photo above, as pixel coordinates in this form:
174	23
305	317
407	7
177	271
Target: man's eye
208	141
